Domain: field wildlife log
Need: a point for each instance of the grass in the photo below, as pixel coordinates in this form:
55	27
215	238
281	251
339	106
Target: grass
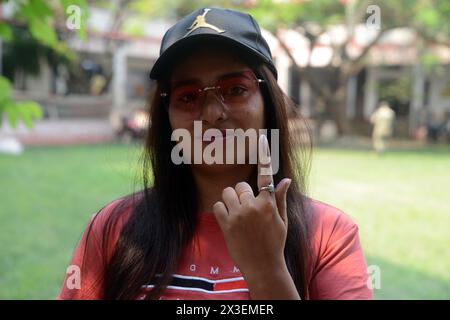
400	201
47	197
401	204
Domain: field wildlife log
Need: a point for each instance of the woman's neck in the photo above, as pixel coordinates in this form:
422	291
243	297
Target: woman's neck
210	185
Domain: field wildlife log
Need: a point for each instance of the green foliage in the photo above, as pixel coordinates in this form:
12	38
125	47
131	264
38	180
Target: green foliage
83	5
26	112
22	54
290	14
41	17
431	63
134	26
396	90
5	88
35	37
5	32
42	32
37	15
431	15
169	8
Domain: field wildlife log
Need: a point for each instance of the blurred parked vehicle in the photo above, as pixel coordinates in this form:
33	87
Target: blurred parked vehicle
131	128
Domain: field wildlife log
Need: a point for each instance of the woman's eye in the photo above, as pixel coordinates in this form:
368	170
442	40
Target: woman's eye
237	90
187	98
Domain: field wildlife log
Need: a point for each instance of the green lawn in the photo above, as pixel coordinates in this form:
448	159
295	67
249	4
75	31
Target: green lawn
400	201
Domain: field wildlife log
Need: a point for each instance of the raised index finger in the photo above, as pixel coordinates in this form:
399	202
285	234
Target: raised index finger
264	163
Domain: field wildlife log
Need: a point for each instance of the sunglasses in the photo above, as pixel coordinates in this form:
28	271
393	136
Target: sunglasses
233	90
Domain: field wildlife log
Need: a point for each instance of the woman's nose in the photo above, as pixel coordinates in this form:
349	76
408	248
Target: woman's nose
213	109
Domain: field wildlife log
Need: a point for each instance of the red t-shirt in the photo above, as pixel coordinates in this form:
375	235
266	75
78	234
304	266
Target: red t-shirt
206	271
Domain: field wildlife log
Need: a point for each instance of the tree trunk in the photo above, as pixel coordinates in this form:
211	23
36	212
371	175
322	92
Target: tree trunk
338	108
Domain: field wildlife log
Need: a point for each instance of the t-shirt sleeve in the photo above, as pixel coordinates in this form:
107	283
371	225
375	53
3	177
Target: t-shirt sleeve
84	275
340	271
83	279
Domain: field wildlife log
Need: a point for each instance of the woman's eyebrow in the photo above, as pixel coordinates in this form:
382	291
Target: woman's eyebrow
234	74
178	83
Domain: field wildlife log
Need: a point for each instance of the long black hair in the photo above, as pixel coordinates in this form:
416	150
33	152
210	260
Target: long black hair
164	214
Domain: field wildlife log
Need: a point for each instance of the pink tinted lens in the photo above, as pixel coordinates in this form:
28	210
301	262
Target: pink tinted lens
233	90
237	88
185	96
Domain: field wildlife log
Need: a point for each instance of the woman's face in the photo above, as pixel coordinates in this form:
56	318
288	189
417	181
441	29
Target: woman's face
210	67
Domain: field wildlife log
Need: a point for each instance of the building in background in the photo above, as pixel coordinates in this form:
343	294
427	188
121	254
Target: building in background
110	79
392	72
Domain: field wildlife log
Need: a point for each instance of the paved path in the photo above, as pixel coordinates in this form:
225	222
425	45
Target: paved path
62	132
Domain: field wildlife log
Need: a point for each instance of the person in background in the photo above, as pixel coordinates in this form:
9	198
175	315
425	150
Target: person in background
383	125
98	82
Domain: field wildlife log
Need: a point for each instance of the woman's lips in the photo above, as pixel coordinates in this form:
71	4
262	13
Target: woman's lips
224	135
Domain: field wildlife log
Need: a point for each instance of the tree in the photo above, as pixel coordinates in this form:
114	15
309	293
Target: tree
429	18
44	22
312	18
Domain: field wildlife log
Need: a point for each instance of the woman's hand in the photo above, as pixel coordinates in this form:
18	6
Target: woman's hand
255	227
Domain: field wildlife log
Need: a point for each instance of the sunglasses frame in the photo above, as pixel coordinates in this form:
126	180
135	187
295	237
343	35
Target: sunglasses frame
216	88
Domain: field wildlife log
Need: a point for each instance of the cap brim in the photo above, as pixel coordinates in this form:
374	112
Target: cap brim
162	64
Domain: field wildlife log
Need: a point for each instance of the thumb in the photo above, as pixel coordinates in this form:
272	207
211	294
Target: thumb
280	196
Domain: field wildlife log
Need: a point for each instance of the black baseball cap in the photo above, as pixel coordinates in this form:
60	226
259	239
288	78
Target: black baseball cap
234	28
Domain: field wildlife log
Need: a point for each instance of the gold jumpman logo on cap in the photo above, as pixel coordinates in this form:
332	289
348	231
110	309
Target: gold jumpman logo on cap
200	22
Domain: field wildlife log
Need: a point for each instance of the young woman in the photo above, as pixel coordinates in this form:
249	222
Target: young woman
219	230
